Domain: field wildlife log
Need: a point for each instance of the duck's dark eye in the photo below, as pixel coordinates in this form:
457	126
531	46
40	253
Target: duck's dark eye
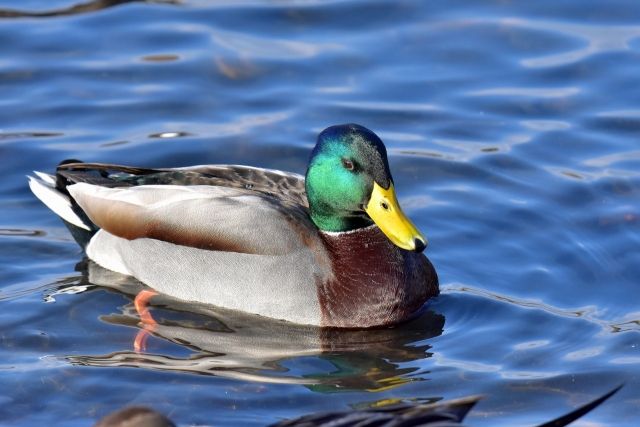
347	164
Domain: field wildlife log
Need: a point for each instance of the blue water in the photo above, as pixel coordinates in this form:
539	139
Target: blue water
513	130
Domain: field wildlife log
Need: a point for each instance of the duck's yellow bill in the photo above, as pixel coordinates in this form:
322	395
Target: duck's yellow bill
384	210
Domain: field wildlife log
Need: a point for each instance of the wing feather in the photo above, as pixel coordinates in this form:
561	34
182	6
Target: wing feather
205	217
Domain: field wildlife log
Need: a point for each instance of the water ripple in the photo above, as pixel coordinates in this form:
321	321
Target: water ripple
197	364
588	313
612	159
248	46
560	92
598	39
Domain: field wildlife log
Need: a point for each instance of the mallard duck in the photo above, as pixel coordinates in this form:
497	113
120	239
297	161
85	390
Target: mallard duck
332	249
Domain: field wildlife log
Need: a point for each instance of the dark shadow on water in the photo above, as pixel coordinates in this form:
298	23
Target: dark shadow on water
77	9
206	340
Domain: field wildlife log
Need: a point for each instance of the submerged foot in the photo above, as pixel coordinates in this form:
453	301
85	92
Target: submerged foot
147	323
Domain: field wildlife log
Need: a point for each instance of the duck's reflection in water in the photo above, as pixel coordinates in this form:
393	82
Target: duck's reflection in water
238	345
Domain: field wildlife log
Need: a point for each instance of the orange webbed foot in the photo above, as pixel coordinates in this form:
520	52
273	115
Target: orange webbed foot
148	324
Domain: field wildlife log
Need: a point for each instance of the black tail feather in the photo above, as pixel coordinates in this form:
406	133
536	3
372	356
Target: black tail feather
584	409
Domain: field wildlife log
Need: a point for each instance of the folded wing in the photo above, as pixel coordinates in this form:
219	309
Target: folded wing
204	217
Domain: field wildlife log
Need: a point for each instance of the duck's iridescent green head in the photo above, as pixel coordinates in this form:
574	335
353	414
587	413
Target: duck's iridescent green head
349	186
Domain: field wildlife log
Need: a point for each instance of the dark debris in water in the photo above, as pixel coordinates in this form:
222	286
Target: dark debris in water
88	7
13	232
24	135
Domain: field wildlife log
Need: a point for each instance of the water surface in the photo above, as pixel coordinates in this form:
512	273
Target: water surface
513	134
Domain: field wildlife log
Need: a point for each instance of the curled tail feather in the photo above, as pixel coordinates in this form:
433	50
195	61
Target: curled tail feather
47	188
44	188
